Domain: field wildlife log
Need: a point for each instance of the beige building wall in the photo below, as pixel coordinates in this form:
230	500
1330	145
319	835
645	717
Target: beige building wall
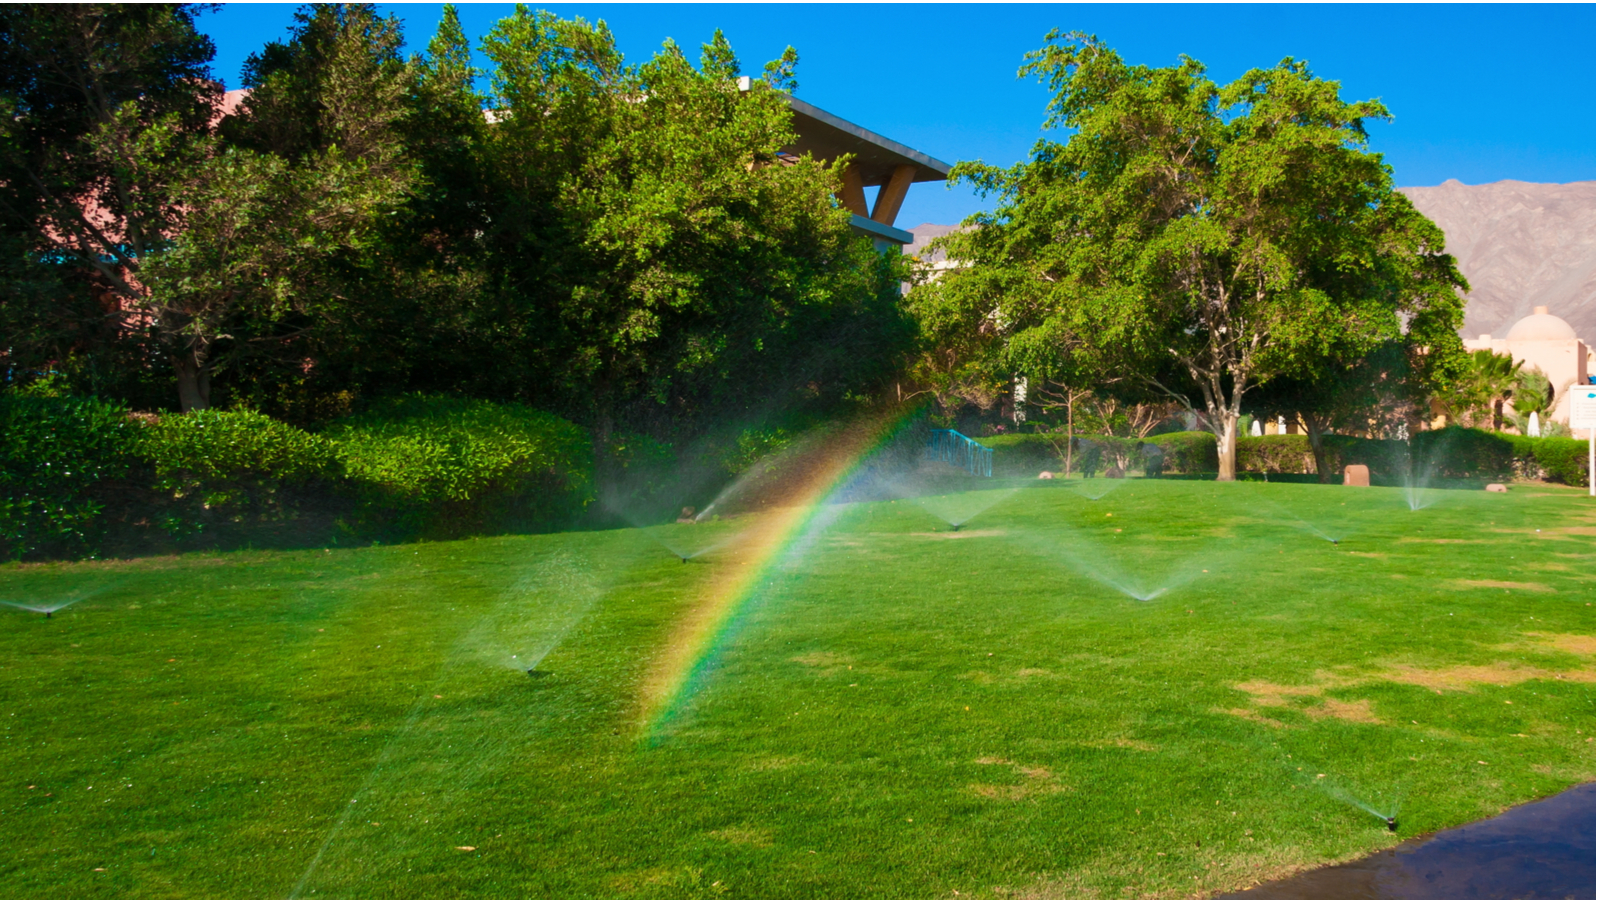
1547	343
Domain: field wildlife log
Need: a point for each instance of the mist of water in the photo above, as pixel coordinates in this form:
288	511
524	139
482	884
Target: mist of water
1328	531
47	609
1095	488
462	731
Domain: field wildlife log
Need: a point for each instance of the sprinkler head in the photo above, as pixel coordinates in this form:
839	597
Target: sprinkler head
1393	823
47	613
535	673
685	559
956	527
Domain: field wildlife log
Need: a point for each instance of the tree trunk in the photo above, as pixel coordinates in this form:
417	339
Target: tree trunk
194	382
1313	426
1227	446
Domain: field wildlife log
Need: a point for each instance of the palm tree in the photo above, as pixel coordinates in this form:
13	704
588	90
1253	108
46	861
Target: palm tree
1533	394
1490	380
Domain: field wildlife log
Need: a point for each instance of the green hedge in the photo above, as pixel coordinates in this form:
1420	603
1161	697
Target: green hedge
443	466
1180	452
1023	455
1186	452
54	454
1451	453
76	473
1562	460
230	462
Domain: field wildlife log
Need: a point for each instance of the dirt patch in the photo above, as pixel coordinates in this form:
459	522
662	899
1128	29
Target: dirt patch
754	837
1121	743
1370	555
1505	585
1033	673
1348	711
1265	693
1253	716
1576	644
1037	782
1465	678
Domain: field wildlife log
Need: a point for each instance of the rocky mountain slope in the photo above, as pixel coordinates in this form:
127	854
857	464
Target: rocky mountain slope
1520	245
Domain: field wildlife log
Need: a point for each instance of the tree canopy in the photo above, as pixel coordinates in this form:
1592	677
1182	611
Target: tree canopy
617	242
1200	238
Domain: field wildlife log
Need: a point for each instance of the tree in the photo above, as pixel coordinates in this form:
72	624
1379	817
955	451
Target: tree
1533	394
1372	394
654	263
100	106
1477	394
1201	238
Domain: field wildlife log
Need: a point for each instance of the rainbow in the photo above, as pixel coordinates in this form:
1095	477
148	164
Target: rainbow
772	538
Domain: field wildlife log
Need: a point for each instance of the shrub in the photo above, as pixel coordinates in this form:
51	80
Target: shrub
439	465
1562	460
231	460
54	452
1456	452
1186	452
1276	453
1023	455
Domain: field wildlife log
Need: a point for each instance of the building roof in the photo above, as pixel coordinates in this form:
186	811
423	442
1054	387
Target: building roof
1541	326
826	136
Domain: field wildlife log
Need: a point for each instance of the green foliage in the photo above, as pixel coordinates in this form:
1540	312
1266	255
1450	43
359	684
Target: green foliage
753	445
1024	455
1276	453
1199	237
55	451
232	461
1456	452
1486	381
1562	460
1186	452
438	465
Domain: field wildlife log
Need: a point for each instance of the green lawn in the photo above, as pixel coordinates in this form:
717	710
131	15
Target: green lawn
899	710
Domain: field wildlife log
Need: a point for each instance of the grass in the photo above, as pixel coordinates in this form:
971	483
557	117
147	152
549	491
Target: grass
902	711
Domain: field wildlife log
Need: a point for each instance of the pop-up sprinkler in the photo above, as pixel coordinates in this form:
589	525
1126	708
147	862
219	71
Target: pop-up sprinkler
1393	823
535	673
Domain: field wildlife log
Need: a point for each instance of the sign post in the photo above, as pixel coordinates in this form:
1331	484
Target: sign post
1581	409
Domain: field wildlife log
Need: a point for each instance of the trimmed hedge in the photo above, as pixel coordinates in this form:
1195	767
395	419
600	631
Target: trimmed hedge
1275	453
1562	460
54	453
1447	453
1179	452
1023	455
1186	452
440	465
230	461
77	472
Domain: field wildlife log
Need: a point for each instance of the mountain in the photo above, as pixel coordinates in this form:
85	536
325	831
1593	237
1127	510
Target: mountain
1520	245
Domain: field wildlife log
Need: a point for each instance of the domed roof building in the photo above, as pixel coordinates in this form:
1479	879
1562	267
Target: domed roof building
1547	343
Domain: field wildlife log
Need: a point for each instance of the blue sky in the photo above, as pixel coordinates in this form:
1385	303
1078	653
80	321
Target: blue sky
1479	92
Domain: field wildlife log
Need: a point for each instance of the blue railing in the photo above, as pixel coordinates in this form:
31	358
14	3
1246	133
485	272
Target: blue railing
957	449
